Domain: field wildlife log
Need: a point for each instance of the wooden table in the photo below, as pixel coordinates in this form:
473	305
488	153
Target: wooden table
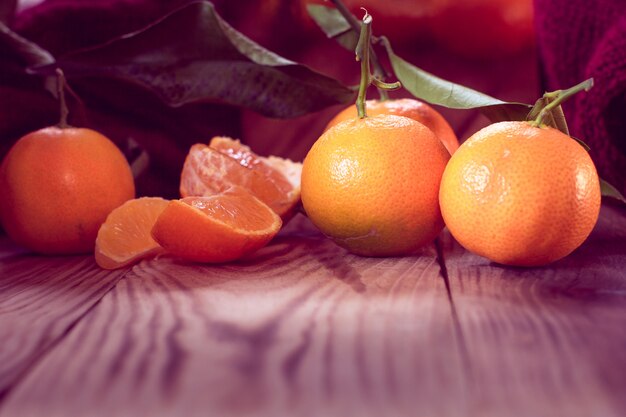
304	329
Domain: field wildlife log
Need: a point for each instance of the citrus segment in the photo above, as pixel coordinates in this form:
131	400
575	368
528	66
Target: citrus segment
209	170
283	172
220	228
125	237
520	195
372	185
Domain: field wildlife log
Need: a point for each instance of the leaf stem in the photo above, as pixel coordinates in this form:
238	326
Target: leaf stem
363	55
363	50
555	98
379	70
61	94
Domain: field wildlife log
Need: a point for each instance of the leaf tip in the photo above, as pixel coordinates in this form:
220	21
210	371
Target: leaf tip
608	190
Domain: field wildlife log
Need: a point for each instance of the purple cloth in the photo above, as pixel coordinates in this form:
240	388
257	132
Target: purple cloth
578	39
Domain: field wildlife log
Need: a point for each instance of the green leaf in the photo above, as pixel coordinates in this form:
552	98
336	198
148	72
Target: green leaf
581	143
505	112
607	190
421	84
28	52
193	56
334	25
435	90
25	53
558	119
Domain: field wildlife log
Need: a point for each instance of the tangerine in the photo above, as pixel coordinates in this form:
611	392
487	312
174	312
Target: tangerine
520	195
125	238
411	108
59	185
372	185
220	228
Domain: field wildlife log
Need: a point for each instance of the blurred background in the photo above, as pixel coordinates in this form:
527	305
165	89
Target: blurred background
510	49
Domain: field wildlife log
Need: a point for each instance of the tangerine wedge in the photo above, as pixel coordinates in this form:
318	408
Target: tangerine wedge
220	228
124	238
212	169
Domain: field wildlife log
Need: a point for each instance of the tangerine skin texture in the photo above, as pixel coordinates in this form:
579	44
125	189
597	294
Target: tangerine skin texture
372	185
407	107
59	185
520	195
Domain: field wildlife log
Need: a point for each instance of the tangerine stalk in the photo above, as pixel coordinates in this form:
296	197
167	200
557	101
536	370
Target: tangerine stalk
62	104
379	70
363	49
555	98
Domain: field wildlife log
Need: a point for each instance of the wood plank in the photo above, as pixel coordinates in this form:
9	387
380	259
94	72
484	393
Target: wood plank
545	341
41	298
301	328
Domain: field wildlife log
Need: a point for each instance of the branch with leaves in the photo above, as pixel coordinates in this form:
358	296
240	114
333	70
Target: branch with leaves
339	24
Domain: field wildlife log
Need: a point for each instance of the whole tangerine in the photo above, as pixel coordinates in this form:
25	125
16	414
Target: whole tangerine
520	195
59	185
407	107
372	185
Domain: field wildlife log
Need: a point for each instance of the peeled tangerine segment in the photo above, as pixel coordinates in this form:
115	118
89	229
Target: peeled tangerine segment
220	228
124	238
226	163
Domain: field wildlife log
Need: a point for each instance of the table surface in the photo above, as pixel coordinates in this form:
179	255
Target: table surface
303	328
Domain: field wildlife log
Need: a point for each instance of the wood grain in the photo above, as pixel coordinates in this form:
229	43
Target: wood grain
41	298
545	341
302	328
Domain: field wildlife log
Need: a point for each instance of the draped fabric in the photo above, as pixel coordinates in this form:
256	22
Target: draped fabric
578	39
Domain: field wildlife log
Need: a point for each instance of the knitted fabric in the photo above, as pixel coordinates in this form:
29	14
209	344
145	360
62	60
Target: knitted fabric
578	39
